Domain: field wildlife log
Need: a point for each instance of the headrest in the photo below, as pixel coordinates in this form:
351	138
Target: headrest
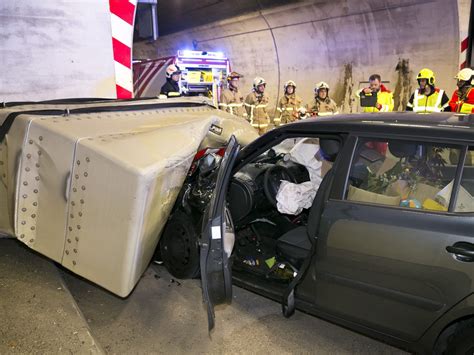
401	149
329	148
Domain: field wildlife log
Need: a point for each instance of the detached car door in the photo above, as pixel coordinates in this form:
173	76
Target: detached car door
389	252
217	239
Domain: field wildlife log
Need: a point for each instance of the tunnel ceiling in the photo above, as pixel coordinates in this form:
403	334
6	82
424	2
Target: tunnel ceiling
177	15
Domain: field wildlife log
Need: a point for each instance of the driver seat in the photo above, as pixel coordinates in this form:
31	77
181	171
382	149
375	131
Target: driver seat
295	245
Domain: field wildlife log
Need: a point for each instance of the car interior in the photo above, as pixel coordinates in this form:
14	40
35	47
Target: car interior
272	243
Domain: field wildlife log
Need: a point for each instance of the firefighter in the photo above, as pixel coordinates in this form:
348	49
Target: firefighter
384	96
256	106
171	87
322	105
231	99
428	98
290	106
463	98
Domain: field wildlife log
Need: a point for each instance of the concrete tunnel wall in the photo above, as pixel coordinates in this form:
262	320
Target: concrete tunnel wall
341	42
55	49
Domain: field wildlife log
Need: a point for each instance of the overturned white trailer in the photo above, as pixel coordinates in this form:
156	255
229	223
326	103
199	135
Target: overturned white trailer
91	184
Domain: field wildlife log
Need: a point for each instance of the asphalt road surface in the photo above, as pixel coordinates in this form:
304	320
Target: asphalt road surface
48	310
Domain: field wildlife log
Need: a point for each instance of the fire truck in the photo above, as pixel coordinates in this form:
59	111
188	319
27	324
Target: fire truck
203	73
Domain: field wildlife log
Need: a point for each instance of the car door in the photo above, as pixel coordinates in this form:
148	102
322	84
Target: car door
217	239
388	268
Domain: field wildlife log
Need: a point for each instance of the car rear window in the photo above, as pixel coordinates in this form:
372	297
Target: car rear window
410	174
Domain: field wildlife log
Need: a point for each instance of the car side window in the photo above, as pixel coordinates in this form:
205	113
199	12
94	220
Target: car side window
464	200
403	173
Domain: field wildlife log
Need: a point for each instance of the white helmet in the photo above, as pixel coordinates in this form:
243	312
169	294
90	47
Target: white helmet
321	85
465	74
258	81
171	70
289	83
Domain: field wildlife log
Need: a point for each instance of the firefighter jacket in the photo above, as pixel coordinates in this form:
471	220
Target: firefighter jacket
384	98
170	88
256	107
436	101
288	109
324	107
232	101
462	102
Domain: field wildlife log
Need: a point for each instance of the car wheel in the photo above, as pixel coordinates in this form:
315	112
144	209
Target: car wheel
458	340
179	247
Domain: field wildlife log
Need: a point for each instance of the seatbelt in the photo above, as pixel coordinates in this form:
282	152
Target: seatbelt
288	305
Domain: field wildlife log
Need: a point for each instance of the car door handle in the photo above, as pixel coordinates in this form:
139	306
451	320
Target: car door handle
462	250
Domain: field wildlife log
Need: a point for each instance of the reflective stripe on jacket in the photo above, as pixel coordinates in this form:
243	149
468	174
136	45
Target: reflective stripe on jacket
232	101
287	109
428	104
256	107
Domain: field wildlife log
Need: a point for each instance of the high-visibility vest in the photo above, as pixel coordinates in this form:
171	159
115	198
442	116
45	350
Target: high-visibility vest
428	104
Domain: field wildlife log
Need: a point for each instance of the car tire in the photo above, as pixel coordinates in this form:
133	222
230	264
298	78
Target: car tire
179	246
460	340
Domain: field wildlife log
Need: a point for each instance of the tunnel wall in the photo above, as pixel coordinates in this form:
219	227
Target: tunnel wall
341	42
55	49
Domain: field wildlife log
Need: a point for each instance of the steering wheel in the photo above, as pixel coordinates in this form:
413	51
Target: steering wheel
272	180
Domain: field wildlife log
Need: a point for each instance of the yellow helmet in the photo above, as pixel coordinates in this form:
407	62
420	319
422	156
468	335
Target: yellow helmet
465	74
427	74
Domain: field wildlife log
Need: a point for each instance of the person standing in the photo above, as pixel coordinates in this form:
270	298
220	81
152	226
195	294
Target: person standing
384	96
256	106
428	98
462	100
231	99
171	87
322	105
290	105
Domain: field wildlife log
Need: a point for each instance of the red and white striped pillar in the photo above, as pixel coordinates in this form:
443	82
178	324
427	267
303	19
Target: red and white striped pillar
122	14
464	11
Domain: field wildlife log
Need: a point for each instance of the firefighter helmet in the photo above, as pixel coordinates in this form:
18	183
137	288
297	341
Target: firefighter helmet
171	70
289	83
465	74
321	85
258	81
233	75
427	74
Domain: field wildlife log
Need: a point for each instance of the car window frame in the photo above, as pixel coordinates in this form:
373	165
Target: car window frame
341	181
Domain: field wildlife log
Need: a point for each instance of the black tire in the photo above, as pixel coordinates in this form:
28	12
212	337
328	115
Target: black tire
179	246
461	342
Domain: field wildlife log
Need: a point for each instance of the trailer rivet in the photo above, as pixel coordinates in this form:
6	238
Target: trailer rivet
33	216
40	138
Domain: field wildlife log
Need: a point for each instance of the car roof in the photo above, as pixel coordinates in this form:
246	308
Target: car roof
444	125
